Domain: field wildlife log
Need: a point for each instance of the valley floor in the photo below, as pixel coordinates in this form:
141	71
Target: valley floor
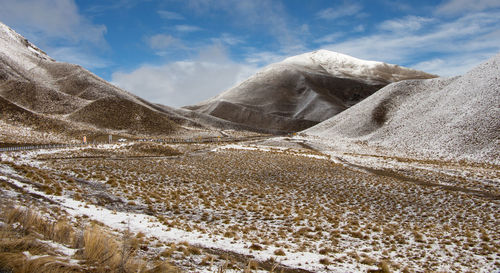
280	205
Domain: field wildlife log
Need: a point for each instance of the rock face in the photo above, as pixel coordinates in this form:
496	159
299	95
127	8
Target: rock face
303	90
458	117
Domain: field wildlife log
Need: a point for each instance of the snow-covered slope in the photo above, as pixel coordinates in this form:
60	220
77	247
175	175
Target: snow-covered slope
51	92
457	118
303	90
31	80
344	66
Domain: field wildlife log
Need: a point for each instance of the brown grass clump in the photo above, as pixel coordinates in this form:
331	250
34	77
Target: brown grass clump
154	149
19	262
16	251
325	251
23	247
325	261
252	265
99	249
279	252
256	247
383	267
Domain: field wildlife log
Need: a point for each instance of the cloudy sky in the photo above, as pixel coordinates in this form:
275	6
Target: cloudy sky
180	52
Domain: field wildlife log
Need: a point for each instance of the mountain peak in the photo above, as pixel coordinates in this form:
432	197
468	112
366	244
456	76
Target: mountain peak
324	56
303	90
345	66
15	44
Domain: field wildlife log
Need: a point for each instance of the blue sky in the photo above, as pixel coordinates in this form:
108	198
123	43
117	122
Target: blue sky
178	52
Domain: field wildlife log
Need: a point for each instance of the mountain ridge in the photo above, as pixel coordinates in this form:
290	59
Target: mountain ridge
82	103
443	117
303	90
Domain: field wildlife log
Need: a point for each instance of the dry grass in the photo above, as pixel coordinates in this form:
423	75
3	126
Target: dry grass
153	149
99	249
23	246
279	252
285	196
18	262
282	197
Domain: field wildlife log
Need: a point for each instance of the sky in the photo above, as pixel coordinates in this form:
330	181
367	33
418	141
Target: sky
181	52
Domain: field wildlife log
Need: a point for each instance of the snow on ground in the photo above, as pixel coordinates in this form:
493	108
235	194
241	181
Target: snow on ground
250	147
150	226
342	65
21	52
356	232
440	119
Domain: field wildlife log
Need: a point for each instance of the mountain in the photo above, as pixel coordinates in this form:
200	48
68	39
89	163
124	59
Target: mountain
49	96
303	90
456	118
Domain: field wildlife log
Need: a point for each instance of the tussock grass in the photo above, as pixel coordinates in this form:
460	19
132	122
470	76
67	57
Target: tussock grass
288	201
19	262
154	149
16	250
23	246
99	249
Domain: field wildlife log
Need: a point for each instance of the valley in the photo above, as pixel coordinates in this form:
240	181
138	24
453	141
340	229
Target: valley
321	162
268	205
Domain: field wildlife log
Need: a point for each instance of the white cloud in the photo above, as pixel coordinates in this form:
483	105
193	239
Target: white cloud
359	28
163	41
76	55
106	6
58	28
398	5
467	38
266	16
229	39
185	82
466	6
169	15
346	9
451	65
330	38
55	19
264	58
408	23
187	28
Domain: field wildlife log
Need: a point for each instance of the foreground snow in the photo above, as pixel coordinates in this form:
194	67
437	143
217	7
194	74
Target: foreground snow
341	210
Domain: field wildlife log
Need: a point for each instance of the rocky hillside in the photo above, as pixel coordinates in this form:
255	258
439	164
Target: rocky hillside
303	90
41	94
455	118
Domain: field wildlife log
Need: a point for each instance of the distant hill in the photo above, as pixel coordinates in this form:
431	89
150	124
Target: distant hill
456	118
40	93
303	90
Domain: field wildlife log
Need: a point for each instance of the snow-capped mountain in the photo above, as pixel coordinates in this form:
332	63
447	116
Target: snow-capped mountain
455	117
303	90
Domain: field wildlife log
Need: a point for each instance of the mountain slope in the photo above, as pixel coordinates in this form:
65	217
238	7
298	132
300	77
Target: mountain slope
33	81
445	117
303	90
41	93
